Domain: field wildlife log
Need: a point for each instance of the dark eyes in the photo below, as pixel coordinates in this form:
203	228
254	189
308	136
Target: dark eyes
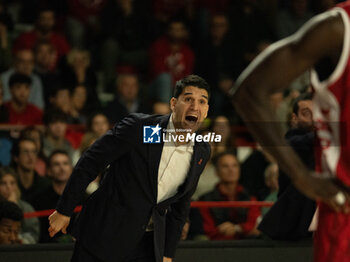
202	102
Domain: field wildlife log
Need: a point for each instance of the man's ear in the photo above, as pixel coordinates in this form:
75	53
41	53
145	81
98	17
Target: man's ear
294	120
206	113
173	102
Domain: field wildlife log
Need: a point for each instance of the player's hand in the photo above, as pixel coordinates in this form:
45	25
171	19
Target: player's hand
324	190
58	222
167	259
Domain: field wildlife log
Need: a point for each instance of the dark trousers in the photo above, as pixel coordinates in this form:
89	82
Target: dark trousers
143	252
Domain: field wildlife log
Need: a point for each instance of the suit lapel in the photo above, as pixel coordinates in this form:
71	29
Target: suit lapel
195	165
154	155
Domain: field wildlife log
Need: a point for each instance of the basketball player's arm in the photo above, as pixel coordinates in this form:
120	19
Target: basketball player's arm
271	72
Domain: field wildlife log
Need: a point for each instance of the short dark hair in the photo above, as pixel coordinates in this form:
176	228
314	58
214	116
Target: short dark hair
6	170
59	86
191	80
57	152
18	78
302	97
54	115
26	133
218	156
10	210
15	147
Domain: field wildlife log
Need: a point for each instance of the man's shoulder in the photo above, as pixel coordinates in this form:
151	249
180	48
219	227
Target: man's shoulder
212	195
5	76
34	109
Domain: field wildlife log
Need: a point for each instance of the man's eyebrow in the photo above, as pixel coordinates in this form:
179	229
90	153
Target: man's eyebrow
189	93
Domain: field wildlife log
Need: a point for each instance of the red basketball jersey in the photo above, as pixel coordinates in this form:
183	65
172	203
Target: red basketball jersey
332	110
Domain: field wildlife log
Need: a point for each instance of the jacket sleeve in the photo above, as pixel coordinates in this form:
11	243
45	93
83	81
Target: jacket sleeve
106	149
175	221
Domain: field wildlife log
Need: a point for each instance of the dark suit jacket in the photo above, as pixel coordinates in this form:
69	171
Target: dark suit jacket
115	217
290	217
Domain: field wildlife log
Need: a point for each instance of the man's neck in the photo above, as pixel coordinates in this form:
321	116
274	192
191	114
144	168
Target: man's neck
229	189
17	107
216	41
43	35
56	141
58	187
175	45
26	177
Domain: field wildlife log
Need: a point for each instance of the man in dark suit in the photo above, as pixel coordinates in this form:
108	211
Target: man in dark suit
291	215
139	210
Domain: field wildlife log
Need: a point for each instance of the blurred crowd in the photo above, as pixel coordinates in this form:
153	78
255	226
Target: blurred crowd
69	69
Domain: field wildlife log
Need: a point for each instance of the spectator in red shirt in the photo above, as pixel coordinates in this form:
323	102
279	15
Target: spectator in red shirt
43	31
171	59
228	223
19	109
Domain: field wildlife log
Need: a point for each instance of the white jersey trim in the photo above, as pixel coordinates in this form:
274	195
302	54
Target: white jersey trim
343	57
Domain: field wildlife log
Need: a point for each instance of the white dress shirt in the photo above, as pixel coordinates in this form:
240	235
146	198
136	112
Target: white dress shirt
173	166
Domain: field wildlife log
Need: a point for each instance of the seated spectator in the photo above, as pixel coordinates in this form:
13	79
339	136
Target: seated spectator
98	124
45	66
252	170
82	21
216	60
126	100
78	105
5	40
10	223
36	135
291	19
20	110
271	181
228	223
4	114
24	64
43	31
251	23
5	140
60	98
78	71
72	102
171	59
127	41
59	170
9	190
221	125
56	126
24	155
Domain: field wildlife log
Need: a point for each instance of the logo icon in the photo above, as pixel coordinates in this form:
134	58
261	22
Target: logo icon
151	134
